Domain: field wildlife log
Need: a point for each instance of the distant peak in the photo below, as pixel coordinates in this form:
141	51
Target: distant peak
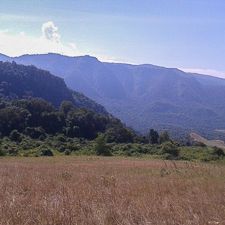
89	57
3	55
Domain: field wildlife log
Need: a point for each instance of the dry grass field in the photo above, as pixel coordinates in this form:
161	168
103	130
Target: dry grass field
110	191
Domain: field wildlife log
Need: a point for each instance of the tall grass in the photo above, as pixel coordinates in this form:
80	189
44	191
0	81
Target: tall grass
97	191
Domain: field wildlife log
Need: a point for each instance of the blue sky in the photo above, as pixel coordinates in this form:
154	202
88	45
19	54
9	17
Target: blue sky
186	34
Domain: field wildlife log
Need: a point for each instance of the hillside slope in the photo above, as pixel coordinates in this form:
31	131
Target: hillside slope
19	81
143	96
199	139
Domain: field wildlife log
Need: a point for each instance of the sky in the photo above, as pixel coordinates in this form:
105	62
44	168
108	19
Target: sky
186	34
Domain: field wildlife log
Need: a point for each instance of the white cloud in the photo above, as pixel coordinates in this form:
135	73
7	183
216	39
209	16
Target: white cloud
209	72
22	43
50	31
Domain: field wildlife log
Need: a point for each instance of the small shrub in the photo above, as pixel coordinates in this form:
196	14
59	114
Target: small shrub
67	152
218	151
61	138
169	151
46	152
15	136
12	151
2	152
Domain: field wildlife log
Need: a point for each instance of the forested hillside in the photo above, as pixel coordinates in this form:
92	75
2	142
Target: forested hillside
35	103
19	81
144	96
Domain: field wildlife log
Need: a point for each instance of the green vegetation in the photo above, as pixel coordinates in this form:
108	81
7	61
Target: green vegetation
38	118
34	127
62	122
62	145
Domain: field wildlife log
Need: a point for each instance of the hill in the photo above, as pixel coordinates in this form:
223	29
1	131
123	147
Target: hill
144	96
37	104
199	139
19	81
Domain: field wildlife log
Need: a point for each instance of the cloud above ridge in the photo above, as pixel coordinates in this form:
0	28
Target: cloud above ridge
50	31
49	41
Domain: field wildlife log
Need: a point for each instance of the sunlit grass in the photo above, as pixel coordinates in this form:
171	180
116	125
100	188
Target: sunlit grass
96	190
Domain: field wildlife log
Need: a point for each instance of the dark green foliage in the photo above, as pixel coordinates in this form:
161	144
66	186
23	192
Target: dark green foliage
218	151
153	137
62	145
15	136
67	152
46	152
119	134
12	118
100	147
35	132
37	118
164	137
169	150
66	107
2	152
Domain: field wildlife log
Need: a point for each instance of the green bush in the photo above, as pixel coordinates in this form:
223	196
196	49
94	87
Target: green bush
100	147
46	152
15	136
2	152
35	132
169	151
218	151
67	152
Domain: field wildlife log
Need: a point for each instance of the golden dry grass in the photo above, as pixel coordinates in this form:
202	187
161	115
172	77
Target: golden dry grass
97	191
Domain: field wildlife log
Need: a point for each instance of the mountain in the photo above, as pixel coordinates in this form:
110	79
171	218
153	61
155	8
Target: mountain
36	103
19	81
143	96
4	57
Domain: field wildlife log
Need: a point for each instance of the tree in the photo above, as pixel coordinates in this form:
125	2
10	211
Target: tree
153	137
12	118
100	147
15	136
164	137
119	134
66	107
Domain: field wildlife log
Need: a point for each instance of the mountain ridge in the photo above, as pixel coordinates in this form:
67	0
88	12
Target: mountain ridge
143	96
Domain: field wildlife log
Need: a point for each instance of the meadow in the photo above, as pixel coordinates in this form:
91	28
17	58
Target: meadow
94	190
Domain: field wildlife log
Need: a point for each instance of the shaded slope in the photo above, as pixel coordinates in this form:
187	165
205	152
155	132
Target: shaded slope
19	81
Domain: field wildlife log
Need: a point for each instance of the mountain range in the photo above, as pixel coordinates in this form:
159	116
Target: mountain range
143	96
19	81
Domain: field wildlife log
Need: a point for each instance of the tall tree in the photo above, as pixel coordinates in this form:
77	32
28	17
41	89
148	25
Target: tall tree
153	137
164	137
